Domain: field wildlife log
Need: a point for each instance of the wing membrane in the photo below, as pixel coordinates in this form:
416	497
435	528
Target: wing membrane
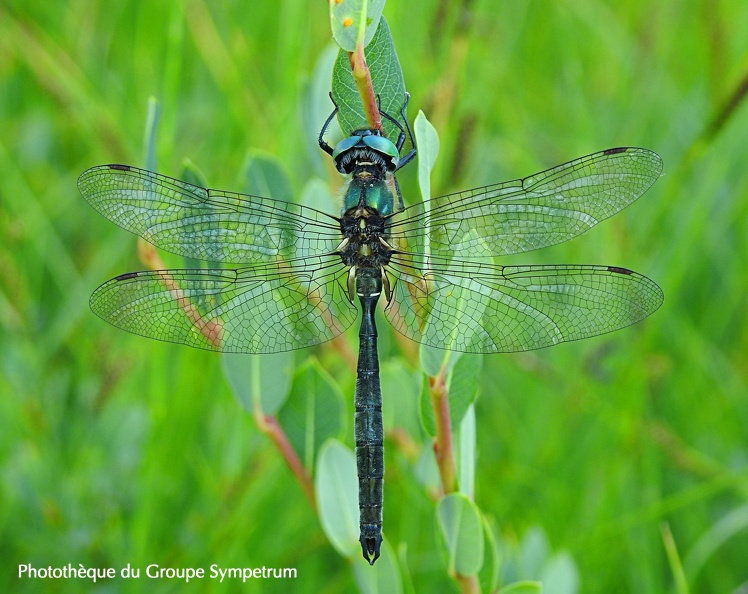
526	214
259	309
206	224
483	308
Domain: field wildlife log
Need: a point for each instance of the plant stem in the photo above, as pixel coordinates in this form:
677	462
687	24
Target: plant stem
268	425
362	78
443	446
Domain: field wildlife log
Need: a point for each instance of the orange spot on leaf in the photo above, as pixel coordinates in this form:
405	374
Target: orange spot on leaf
347	21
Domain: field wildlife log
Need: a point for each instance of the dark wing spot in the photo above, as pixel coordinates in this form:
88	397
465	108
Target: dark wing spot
126	276
616	150
619	270
120	167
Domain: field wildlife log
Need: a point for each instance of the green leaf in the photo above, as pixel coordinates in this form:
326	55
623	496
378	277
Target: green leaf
192	174
433	360
489	573
383	578
151	128
463	375
313	412
525	587
315	107
337	497
426	471
264	175
461	527
674	560
466	452
462	384
265	377
352	20
560	575
427	140
387	80
399	396
534	552
426	411
316	194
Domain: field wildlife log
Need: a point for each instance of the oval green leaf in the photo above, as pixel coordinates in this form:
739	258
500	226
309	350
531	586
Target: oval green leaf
337	497
264	175
352	21
489	573
560	575
399	397
266	378
466	453
462	384
460	524
427	140
313	412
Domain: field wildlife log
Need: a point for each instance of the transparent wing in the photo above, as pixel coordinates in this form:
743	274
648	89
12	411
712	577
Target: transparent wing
259	309
206	224
526	214
483	308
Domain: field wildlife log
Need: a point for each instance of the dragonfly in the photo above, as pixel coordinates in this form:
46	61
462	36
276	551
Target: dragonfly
286	276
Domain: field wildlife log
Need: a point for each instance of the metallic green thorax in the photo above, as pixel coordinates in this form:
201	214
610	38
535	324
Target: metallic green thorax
369	188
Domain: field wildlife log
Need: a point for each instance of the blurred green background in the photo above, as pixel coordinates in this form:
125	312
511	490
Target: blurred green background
116	449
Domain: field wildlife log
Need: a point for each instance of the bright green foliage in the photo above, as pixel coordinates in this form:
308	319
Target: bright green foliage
254	378
460	523
427	140
337	497
313	412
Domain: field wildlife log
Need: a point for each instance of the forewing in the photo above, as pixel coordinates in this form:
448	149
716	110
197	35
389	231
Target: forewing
526	214
259	309
483	308
206	224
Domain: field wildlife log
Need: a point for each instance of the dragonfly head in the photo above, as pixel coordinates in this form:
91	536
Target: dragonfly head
365	146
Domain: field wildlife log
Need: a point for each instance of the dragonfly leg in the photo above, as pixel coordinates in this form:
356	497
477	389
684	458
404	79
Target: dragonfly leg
412	152
321	139
405	133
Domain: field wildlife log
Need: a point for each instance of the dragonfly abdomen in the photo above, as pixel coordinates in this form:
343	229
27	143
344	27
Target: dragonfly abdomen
368	428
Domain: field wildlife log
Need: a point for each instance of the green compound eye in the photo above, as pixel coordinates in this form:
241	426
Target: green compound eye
345	145
383	146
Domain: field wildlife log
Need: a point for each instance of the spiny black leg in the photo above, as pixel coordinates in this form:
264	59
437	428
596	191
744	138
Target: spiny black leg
412	153
321	140
401	136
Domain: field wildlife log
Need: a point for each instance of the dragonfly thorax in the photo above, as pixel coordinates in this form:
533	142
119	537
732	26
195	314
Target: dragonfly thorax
364	244
368	187
364	248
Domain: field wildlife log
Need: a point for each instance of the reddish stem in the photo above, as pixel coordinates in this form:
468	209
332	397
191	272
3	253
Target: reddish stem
362	78
443	446
269	425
